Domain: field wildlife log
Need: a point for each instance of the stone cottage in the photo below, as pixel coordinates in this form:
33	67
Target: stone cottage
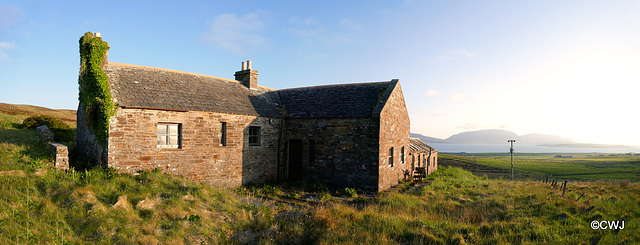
228	132
423	155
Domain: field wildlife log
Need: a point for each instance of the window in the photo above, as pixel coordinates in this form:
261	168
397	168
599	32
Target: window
223	134
254	136
391	157
402	155
169	135
312	151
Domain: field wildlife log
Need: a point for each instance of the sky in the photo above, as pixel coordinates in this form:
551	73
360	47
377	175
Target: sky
566	68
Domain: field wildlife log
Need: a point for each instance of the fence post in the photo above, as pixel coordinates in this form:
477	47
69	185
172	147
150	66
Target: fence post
580	197
564	187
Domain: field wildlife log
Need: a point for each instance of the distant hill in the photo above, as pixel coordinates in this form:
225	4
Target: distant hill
68	116
500	136
488	136
427	139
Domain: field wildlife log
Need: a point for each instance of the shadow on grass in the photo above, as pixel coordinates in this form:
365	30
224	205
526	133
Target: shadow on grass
22	146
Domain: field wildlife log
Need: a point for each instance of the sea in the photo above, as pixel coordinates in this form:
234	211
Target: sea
498	148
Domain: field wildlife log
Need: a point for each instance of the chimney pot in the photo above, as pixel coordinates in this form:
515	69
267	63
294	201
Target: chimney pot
97	34
246	76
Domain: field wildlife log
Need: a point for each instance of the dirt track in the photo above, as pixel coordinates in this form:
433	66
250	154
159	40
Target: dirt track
480	170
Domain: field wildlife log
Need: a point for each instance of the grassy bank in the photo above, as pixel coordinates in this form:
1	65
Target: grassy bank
39	204
581	166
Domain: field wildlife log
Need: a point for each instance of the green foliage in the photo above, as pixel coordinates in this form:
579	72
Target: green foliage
62	132
294	195
349	192
95	95
318	187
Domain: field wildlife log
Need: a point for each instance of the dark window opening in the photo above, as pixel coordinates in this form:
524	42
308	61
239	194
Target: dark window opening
254	136
312	151
391	157
223	134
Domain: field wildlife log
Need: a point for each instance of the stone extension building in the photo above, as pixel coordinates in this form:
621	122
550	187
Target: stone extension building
230	132
423	155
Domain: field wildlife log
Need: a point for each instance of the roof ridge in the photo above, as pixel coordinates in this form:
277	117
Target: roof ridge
335	85
181	72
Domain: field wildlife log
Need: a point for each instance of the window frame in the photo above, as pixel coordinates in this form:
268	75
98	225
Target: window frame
254	138
402	155
223	134
168	136
391	157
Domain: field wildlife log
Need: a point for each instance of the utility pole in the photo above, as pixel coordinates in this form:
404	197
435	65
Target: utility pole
511	141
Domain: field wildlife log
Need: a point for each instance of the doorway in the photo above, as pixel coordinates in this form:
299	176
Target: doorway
295	160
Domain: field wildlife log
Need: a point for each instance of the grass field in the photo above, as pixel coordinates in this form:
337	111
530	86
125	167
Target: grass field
23	111
41	205
582	166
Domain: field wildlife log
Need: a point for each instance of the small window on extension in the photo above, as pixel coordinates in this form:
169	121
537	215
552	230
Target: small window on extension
254	136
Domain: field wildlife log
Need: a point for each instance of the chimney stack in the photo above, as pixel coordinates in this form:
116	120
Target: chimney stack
247	76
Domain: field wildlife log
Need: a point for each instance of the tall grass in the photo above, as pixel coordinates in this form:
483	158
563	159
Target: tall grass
458	207
39	204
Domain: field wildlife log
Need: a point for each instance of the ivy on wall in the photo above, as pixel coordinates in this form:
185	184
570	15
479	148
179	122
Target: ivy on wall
94	86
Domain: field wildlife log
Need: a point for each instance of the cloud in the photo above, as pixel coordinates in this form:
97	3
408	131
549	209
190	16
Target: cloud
457	97
3	54
432	93
350	25
10	15
462	52
312	32
237	33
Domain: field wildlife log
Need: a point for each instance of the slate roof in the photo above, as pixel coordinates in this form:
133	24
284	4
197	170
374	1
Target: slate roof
417	145
135	86
334	101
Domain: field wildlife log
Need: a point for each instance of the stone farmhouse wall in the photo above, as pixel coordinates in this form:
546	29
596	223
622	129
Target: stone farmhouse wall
133	146
394	132
345	150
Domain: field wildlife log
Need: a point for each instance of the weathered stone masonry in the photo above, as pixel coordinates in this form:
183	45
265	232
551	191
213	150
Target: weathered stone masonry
345	150
340	135
133	146
394	131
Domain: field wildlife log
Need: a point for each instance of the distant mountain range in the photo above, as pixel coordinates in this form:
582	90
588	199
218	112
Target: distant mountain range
500	136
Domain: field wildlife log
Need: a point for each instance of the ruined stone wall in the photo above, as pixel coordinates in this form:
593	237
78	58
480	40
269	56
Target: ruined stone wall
60	152
133	146
346	151
394	132
86	142
60	155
